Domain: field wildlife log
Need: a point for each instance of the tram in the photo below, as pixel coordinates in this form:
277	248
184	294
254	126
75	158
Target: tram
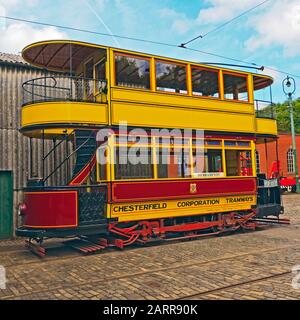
100	103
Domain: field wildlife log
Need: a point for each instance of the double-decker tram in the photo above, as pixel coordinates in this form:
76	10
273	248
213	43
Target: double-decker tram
154	148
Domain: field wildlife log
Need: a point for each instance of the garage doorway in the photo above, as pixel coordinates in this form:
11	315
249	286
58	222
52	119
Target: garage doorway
6	204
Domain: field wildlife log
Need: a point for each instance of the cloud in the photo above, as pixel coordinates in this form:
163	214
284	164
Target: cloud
221	10
100	5
277	76
16	36
218	11
13	4
179	22
279	26
276	23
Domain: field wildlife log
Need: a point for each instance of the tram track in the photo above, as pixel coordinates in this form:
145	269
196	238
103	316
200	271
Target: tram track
232	286
165	269
64	253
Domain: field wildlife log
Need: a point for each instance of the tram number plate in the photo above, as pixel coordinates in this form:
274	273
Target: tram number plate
270	183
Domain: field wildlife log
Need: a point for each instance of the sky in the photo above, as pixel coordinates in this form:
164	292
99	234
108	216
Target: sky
268	35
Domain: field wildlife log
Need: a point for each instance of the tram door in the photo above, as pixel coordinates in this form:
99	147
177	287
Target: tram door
89	81
100	81
6	204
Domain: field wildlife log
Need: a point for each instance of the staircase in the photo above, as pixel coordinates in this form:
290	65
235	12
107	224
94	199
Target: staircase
85	146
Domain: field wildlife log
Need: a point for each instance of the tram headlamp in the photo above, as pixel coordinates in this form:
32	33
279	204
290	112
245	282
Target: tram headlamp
21	209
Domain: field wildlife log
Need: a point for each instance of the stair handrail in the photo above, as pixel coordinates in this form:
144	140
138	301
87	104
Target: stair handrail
69	156
57	145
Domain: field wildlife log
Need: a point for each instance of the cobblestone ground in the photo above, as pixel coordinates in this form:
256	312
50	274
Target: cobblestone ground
251	265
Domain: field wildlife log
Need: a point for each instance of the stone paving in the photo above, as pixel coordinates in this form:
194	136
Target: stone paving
250	265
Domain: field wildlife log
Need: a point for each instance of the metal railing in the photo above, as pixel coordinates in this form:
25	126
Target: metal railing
64	88
265	109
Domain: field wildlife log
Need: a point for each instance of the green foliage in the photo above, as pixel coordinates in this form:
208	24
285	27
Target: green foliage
282	113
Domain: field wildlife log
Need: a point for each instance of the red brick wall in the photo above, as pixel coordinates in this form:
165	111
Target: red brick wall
284	143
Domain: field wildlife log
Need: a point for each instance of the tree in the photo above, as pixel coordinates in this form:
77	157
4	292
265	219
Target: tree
282	114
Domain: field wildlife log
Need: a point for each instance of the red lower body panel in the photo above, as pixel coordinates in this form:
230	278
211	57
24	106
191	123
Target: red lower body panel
51	209
153	190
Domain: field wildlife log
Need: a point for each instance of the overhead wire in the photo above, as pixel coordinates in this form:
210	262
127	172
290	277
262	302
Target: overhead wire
146	41
201	36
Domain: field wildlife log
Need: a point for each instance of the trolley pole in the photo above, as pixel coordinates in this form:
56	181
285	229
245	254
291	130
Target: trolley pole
289	88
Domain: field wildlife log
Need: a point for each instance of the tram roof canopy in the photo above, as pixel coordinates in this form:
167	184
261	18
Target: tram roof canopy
60	55
66	55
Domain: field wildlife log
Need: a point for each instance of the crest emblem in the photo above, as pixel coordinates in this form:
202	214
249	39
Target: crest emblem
193	188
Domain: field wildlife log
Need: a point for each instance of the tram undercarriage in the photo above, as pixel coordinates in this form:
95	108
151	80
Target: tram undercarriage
92	239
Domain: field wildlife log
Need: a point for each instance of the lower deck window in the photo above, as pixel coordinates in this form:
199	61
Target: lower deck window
238	163
208	163
133	164
177	162
173	163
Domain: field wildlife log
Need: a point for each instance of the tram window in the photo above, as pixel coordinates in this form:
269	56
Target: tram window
230	143
235	87
132	72
173	163
205	82
133	163
207	162
213	142
171	77
100	70
243	143
238	163
102	172
89	70
88	85
100	75
102	154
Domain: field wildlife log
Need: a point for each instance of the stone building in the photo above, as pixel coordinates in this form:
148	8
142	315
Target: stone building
14	147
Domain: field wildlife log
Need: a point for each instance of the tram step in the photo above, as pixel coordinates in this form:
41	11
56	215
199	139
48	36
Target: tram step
81	155
84	246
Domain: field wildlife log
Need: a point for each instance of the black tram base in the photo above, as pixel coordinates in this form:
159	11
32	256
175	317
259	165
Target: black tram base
62	233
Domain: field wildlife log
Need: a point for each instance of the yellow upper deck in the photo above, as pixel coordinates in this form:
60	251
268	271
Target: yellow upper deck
146	90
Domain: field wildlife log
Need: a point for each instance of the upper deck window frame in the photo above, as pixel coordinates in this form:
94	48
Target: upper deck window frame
188	67
215	70
134	56
236	74
185	65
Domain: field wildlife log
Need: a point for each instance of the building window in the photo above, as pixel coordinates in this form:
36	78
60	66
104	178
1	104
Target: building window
235	87
290	161
171	77
257	158
238	163
132	72
205	82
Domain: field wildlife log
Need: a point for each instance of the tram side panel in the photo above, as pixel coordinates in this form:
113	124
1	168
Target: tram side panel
156	200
